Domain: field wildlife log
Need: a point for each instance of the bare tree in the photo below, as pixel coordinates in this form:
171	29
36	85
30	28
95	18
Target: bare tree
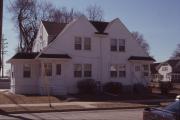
94	13
139	37
27	15
63	15
176	53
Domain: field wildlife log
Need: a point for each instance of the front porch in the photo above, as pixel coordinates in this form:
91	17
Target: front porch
173	77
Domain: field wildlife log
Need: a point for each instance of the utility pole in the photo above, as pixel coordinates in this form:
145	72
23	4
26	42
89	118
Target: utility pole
3	52
1	20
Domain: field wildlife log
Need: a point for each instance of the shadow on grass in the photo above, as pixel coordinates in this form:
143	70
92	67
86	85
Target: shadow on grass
22	107
146	99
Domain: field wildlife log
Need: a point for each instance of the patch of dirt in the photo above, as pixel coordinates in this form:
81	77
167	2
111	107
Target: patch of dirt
9	98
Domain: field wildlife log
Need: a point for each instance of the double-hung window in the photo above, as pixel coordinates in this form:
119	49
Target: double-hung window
58	69
26	70
121	45
87	70
78	43
146	70
113	71
77	70
48	69
122	71
113	44
87	43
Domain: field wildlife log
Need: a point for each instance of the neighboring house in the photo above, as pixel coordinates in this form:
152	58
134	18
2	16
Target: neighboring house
166	71
63	54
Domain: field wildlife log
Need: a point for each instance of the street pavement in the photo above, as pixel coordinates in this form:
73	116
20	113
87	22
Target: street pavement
123	114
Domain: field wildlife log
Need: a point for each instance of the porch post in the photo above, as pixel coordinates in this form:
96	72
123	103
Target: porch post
46	83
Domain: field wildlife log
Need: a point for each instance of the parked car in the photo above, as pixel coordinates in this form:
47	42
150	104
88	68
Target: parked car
170	112
177	97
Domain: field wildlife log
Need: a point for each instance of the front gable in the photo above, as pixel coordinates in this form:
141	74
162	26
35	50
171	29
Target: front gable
64	42
116	29
41	40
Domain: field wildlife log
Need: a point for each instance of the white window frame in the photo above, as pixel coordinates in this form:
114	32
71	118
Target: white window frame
87	43
48	69
113	70
122	45
113	45
78	43
58	69
77	70
122	71
26	71
87	70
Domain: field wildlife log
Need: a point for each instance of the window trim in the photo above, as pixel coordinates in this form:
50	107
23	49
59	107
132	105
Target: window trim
122	69
58	72
26	73
122	48
113	48
46	72
77	73
78	43
87	71
114	73
87	43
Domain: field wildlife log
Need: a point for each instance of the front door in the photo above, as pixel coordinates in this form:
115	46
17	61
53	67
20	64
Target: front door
137	73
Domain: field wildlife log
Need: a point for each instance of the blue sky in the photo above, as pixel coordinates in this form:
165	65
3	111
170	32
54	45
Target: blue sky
157	20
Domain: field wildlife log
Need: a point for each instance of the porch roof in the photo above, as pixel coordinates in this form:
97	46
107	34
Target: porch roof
33	55
54	56
25	55
141	58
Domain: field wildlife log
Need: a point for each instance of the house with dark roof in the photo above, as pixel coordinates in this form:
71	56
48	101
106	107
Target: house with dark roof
64	54
167	71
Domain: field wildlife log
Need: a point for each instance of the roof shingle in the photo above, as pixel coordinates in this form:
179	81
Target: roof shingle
54	56
25	55
141	58
54	28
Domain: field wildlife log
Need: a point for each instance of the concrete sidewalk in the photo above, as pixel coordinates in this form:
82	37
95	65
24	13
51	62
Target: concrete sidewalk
79	106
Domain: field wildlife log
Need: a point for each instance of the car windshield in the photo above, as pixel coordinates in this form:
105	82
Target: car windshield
173	107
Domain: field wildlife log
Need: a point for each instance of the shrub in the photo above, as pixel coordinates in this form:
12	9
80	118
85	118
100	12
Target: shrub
113	87
140	88
87	86
165	87
127	89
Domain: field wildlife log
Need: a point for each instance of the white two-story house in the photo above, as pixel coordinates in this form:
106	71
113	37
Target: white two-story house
63	54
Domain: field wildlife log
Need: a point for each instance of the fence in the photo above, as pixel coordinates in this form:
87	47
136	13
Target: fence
174	77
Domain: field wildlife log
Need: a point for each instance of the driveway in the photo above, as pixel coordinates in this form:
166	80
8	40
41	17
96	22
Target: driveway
130	114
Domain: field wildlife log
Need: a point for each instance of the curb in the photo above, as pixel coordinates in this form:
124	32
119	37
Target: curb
71	110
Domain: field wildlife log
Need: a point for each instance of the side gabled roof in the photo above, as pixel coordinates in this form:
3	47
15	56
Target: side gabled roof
53	28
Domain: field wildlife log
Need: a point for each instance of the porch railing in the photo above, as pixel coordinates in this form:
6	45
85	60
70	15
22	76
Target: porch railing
174	77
